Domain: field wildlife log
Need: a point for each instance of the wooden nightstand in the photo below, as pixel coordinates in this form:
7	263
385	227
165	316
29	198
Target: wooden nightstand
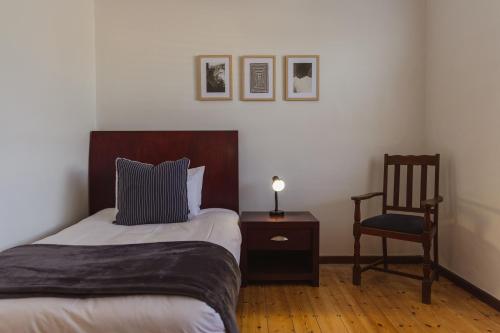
279	248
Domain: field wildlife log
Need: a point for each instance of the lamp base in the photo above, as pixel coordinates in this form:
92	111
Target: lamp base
276	213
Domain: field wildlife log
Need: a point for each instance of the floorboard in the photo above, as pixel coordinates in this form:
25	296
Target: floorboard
384	303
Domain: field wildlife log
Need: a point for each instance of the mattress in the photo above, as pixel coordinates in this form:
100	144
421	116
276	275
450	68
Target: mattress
144	313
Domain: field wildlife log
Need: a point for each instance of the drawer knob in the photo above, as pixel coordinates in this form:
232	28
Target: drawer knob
279	239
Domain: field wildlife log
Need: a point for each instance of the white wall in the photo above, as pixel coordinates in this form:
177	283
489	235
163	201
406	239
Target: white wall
372	93
462	121
375	62
47	108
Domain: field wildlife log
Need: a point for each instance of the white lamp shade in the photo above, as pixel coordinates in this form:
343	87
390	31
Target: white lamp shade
278	185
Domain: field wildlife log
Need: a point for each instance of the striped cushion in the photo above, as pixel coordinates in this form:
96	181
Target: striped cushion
150	194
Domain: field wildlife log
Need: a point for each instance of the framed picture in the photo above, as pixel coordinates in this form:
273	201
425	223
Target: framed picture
215	77
257	78
302	78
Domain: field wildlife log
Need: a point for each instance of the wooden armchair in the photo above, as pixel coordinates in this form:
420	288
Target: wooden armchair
414	228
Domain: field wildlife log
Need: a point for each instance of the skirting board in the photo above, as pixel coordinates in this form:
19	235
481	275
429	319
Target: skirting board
370	259
474	290
456	279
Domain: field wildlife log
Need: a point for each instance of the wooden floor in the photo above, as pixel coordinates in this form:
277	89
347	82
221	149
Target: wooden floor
384	303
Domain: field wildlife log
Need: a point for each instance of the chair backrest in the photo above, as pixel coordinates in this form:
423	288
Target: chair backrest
410	162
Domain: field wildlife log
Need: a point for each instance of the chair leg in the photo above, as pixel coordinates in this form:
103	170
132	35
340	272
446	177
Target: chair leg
384	251
356	270
356	231
426	282
436	256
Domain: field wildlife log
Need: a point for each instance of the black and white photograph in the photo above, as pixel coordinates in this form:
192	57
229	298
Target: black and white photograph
216	73
214	77
302	78
257	78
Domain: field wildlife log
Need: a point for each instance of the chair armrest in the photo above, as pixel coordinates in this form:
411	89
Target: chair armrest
366	196
357	207
432	202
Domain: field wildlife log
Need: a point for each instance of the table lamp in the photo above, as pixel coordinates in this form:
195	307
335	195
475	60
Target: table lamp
278	186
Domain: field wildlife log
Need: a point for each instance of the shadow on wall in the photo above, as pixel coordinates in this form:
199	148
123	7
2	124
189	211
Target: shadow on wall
375	184
463	202
337	216
480	221
467	233
76	195
75	198
472	248
335	230
448	208
195	78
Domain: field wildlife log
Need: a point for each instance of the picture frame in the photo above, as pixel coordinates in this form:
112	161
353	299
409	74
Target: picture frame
214	77
257	78
301	78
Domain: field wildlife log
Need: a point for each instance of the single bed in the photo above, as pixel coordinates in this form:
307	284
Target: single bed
217	223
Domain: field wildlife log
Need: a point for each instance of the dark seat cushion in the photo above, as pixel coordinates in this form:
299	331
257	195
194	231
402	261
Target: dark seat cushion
410	224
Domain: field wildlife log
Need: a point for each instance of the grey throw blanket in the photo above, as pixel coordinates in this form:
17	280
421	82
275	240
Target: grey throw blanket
200	270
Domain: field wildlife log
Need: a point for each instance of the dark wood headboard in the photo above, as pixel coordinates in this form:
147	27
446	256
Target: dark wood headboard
216	150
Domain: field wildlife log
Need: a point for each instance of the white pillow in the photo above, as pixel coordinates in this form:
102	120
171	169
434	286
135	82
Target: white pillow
194	187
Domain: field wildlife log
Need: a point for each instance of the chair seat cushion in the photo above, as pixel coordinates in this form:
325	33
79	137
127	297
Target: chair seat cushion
410	224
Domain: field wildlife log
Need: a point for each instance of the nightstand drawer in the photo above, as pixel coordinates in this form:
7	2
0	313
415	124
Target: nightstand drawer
279	239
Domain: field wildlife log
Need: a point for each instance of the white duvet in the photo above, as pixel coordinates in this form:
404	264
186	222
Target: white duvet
124	314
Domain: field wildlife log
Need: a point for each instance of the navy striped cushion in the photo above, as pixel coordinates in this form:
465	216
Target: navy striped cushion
150	194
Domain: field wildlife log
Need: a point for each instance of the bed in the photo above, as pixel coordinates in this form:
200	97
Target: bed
217	223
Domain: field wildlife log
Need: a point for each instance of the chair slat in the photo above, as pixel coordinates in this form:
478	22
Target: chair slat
436	180
384	204
423	184
409	186
397	172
